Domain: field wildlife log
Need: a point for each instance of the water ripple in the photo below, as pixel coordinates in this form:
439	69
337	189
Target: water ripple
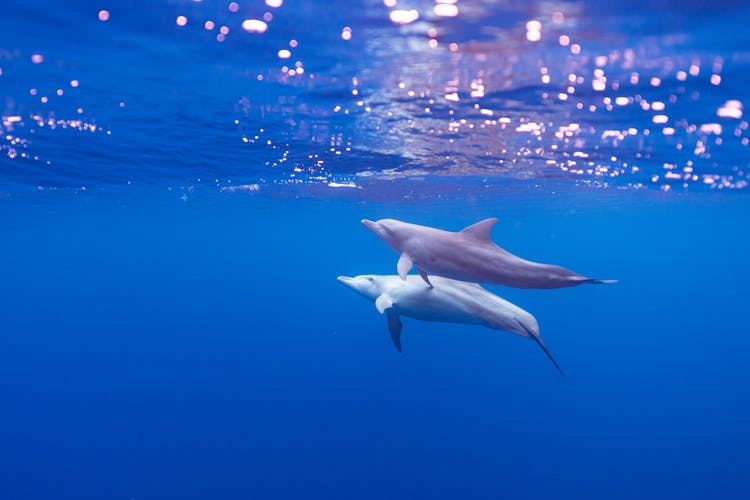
239	94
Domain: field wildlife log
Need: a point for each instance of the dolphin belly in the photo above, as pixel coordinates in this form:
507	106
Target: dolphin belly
430	304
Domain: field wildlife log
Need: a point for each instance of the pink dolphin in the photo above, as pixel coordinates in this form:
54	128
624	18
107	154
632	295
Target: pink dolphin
468	255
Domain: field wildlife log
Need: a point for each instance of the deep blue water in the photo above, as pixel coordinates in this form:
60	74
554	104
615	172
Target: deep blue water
175	208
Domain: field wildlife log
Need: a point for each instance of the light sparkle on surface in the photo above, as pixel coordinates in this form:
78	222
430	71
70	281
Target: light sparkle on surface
566	103
446	10
533	30
730	109
254	26
404	16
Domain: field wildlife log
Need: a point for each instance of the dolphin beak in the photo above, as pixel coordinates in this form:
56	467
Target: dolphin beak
345	280
372	226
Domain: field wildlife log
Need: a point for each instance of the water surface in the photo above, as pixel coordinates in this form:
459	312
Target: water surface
179	193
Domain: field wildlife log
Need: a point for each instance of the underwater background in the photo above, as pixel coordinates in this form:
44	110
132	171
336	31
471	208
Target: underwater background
182	181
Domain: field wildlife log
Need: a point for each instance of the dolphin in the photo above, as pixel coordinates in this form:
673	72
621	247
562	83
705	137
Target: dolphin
449	301
468	255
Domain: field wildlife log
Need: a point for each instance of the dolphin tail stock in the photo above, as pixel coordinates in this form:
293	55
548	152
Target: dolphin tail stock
541	343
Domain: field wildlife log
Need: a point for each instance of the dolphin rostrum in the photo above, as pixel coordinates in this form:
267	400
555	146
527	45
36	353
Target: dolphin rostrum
468	255
449	301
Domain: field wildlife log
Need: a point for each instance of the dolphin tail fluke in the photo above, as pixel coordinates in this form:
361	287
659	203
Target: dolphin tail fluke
549	354
601	282
539	341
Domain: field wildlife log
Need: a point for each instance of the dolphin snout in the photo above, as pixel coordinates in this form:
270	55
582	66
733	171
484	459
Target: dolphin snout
376	227
371	225
344	279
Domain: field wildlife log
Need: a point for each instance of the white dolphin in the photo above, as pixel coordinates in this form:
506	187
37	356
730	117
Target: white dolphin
449	301
468	255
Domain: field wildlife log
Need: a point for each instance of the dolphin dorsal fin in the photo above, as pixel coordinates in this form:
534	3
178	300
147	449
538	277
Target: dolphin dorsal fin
480	230
383	302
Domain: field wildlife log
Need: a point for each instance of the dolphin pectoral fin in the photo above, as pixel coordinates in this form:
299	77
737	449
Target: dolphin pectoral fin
423	274
481	230
539	341
394	328
383	302
404	266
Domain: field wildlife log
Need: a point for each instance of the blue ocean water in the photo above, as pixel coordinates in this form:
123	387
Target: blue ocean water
181	182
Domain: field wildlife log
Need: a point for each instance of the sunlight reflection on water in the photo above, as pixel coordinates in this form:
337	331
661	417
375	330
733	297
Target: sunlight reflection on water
546	91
